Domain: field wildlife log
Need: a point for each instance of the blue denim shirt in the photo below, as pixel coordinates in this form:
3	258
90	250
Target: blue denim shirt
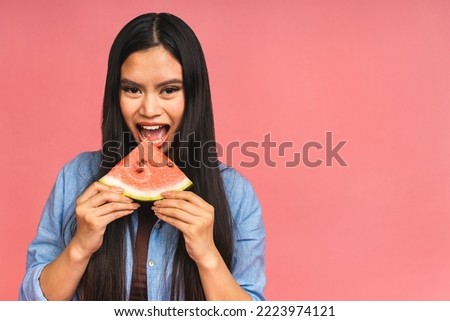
248	265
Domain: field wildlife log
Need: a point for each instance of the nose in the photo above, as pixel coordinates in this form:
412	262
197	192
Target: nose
151	106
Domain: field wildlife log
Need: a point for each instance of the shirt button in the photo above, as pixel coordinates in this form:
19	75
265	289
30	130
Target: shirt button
151	263
157	226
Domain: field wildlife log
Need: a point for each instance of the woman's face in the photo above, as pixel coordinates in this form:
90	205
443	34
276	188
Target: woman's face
152	95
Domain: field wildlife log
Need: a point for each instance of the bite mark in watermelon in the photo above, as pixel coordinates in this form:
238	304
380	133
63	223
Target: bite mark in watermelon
145	173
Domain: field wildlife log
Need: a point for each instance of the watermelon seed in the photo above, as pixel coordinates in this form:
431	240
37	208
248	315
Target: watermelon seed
139	170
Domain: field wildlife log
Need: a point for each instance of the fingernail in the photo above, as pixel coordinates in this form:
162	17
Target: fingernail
136	205
118	189
157	203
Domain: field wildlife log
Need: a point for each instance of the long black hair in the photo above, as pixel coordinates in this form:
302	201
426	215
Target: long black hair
104	278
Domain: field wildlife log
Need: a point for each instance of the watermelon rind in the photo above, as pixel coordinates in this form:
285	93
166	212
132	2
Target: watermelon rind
145	195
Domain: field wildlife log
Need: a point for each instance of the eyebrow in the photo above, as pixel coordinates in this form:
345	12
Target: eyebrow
126	81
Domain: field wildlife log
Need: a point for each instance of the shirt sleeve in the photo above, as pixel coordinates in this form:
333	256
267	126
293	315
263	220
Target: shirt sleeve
47	244
53	233
248	265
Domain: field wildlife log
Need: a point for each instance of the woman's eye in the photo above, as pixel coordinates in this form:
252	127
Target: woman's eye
132	90
170	90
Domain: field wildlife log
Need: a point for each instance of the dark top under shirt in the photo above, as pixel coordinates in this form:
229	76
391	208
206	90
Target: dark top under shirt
146	220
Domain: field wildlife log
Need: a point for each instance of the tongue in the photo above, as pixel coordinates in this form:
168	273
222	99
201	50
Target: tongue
154	135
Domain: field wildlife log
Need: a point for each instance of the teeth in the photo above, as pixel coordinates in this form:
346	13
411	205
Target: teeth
152	127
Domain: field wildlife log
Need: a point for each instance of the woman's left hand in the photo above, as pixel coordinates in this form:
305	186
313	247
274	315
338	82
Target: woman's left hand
194	217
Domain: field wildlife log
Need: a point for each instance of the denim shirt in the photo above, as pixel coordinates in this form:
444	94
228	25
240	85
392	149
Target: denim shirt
53	235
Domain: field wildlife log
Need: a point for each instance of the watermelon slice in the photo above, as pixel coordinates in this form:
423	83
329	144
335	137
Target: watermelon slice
145	173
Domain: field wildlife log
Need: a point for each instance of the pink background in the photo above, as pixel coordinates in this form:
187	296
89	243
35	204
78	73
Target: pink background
375	73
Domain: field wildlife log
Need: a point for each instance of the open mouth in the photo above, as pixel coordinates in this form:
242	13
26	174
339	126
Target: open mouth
155	133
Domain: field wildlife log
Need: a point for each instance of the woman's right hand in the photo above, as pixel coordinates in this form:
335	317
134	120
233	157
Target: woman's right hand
98	206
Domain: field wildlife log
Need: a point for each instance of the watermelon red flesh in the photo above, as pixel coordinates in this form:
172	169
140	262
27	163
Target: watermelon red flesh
145	173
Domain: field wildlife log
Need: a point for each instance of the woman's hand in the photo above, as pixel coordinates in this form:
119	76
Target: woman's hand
194	217
98	206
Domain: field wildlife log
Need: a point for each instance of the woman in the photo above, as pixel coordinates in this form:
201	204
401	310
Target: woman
93	243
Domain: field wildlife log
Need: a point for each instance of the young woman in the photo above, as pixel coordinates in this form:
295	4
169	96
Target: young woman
94	243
